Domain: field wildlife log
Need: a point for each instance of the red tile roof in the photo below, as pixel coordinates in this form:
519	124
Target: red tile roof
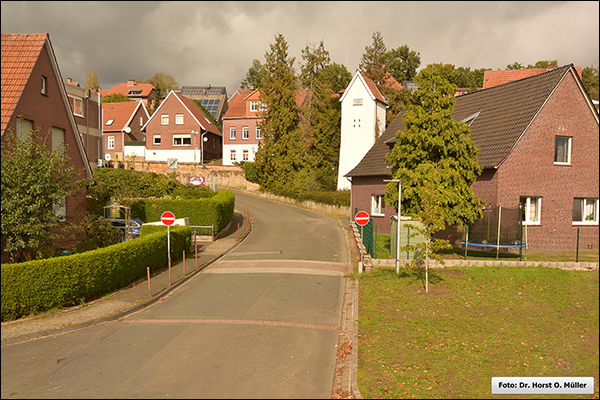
237	102
198	114
125	88
121	113
373	88
496	78
20	52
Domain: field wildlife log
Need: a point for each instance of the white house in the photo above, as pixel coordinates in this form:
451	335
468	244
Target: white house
363	121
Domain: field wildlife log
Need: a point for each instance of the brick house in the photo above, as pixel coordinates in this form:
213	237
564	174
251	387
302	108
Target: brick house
538	146
179	129
122	125
241	124
34	97
86	106
213	98
144	92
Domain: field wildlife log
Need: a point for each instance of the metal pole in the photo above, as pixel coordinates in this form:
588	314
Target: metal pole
148	272
398	230
184	263
196	244
169	251
466	239
521	248
577	256
498	240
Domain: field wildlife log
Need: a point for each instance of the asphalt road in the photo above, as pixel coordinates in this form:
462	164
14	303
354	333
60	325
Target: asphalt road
262	322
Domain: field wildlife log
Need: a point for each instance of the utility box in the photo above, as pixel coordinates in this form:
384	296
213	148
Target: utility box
405	238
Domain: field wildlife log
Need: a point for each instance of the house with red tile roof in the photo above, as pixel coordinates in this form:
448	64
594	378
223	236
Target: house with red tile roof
178	129
144	92
86	106
241	124
538	141
33	97
495	78
363	120
122	125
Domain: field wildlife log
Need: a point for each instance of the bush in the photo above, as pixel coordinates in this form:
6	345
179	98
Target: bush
36	286
250	173
99	233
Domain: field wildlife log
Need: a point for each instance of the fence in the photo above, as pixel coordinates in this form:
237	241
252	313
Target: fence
368	233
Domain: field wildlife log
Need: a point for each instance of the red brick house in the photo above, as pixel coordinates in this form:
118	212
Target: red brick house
538	146
144	92
34	97
179	129
122	125
241	124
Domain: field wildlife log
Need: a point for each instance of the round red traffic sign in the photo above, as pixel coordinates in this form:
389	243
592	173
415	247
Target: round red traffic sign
167	218
361	218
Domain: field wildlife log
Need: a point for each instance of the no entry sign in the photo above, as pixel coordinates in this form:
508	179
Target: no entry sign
167	218
361	218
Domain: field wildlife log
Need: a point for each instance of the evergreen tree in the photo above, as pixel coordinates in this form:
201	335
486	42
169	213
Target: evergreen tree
373	61
278	159
316	58
254	77
435	157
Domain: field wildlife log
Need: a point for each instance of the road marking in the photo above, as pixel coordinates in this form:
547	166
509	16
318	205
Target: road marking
277	267
230	321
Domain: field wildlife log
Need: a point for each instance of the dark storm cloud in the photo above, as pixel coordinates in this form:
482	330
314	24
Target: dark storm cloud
215	42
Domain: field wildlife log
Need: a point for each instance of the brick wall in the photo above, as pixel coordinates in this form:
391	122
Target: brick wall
363	187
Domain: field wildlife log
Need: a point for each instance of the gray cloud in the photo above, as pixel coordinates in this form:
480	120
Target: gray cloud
215	42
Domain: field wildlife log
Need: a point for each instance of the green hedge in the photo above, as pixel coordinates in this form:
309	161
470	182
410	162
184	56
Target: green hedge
36	286
216	211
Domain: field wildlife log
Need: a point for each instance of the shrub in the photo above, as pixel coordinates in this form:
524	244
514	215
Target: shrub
250	173
36	286
99	233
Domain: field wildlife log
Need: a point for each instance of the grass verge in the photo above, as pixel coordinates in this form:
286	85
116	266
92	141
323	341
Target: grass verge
474	324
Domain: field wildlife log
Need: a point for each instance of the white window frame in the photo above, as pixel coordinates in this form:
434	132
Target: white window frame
73	100
378	205
245	133
58	138
254	106
258	133
357	102
44	84
569	141
111	143
109	122
179	140
262	107
164	119
232	156
232	133
586	204
59	207
141	121
156	140
178	119
245	155
538	217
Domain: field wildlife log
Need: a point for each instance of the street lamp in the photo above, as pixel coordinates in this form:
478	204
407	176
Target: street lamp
398	232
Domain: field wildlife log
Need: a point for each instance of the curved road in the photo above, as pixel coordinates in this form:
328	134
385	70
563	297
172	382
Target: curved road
262	322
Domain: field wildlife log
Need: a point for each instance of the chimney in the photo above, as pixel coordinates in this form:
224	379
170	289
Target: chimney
69	80
549	67
130	82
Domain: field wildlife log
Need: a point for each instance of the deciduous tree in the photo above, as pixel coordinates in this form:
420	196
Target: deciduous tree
115	98
254	77
91	81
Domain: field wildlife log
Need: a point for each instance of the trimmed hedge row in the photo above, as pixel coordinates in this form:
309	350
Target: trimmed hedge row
216	211
36	286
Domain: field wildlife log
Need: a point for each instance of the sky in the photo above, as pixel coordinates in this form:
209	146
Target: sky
201	43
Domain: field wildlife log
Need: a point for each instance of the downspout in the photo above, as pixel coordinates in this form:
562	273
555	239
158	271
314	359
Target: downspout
101	144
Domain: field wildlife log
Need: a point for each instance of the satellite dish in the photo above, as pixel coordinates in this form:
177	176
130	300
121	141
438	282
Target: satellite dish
127	129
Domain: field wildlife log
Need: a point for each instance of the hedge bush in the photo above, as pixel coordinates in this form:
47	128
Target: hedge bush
216	211
36	286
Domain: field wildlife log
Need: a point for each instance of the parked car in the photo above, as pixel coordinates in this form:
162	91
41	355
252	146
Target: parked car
135	226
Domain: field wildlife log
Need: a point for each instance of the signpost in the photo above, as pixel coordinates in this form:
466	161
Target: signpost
168	218
361	218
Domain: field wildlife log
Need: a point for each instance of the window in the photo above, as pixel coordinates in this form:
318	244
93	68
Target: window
182	140
562	150
532	207
44	85
156	140
232	133
178	119
141	121
24	126
111	142
357	102
585	211
245	155
377	204
232	155
254	106
76	104
60	208
58	138
110	122
164	119
245	133
262	107
258	133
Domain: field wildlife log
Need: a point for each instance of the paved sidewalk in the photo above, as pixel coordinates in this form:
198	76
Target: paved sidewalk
129	299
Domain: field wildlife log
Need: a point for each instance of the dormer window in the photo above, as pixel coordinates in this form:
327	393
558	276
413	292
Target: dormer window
469	120
254	106
135	92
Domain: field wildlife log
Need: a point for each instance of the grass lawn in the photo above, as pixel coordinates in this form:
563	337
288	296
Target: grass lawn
474	324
